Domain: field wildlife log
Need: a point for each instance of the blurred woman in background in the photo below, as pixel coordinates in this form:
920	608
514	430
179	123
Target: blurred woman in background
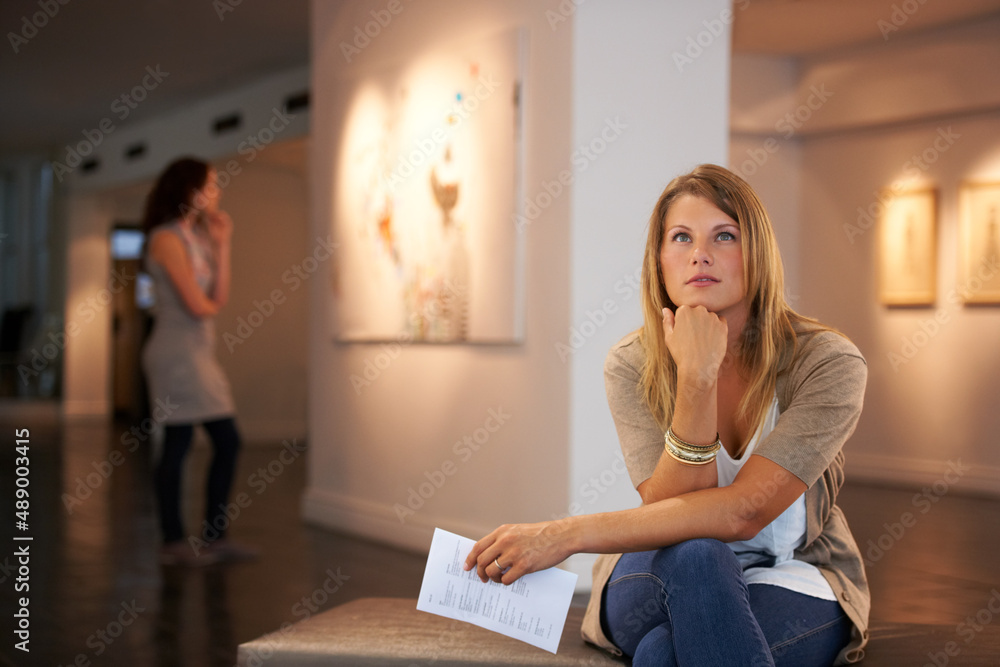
188	259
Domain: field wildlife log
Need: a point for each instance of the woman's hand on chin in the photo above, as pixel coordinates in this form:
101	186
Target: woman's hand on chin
697	340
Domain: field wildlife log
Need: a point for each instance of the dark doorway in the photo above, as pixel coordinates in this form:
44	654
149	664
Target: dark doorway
130	323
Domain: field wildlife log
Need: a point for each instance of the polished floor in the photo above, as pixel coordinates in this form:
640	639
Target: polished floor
97	595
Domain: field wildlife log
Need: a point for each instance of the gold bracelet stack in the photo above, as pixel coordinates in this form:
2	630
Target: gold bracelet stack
689	453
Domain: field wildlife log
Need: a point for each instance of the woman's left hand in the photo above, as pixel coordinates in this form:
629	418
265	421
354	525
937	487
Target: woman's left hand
520	549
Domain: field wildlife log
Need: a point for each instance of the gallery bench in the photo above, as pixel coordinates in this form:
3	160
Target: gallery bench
390	631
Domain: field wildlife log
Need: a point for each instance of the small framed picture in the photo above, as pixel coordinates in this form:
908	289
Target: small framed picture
908	248
979	245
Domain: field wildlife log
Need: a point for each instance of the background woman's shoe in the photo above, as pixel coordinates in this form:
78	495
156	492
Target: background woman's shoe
227	551
182	554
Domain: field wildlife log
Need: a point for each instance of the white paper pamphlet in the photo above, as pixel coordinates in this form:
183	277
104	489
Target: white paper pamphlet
533	609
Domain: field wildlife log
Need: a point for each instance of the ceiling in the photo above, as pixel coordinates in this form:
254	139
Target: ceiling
68	73
803	27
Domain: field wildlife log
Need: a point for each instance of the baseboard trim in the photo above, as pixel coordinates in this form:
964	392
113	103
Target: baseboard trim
380	523
963	478
31	409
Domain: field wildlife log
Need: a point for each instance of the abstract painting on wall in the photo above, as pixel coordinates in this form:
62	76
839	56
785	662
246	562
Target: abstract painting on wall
908	248
979	246
427	195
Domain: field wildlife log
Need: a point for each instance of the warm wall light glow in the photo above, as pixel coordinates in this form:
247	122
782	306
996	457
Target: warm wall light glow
907	253
987	169
979	245
360	194
426	196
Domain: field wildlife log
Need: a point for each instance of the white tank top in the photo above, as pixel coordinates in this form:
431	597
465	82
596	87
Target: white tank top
768	557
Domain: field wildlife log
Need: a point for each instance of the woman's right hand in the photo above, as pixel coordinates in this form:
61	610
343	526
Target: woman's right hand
512	551
220	227
697	340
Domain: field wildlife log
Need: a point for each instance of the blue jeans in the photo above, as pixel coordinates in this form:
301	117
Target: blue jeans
689	605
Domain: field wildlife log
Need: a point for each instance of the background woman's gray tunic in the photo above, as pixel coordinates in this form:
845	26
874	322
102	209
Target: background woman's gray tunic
179	357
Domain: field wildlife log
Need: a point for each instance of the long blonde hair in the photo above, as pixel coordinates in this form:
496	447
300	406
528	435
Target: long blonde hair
767	343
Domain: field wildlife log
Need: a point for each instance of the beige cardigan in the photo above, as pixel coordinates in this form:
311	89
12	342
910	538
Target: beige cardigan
820	400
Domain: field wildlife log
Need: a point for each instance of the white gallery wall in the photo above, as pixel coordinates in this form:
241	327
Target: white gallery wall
908	111
765	146
467	437
389	459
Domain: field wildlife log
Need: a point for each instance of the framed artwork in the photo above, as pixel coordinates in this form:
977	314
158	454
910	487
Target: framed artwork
979	243
427	194
907	248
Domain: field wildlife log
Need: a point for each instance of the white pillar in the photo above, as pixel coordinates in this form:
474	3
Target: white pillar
650	101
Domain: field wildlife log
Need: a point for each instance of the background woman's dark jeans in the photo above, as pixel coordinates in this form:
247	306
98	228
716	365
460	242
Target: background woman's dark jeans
176	443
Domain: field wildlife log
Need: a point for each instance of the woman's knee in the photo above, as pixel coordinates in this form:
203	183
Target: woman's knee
656	648
705	564
699	554
701	548
634	604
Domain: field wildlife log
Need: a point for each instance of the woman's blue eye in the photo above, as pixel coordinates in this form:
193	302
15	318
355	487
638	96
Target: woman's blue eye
681	236
727	236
